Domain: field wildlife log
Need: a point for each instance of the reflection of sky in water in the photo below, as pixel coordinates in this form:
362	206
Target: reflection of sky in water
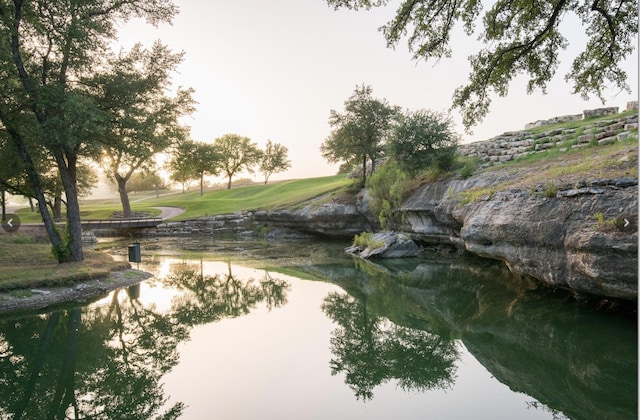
274	364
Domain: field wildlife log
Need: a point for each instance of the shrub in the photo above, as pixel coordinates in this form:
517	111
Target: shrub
388	187
469	167
365	240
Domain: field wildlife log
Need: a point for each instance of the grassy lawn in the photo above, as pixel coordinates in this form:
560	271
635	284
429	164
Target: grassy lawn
284	194
87	212
27	264
254	197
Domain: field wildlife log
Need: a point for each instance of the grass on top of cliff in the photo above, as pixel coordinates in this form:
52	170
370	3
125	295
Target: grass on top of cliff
29	264
555	169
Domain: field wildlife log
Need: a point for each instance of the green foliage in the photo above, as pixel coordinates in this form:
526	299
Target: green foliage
388	187
469	166
274	159
143	120
520	37
621	223
237	154
550	190
365	240
472	196
63	251
193	160
145	181
421	140
358	133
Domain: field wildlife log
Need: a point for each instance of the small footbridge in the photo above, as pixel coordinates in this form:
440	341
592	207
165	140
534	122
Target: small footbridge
135	223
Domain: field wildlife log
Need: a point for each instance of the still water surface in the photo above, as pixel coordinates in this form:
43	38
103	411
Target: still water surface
312	334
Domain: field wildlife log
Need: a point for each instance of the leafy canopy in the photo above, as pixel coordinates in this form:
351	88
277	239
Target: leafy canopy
520	36
423	139
274	159
360	131
237	154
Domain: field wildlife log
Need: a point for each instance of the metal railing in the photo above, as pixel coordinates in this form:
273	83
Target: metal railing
121	223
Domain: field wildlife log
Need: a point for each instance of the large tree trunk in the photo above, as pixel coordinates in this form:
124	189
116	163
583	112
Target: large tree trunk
229	183
68	174
4	206
201	184
124	197
52	232
57	208
364	170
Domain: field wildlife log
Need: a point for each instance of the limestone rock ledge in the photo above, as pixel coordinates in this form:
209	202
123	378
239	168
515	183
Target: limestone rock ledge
586	242
584	238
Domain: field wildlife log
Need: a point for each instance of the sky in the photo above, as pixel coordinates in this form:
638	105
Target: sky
273	70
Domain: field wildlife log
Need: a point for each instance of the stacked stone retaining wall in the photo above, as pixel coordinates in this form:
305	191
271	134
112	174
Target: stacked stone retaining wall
515	144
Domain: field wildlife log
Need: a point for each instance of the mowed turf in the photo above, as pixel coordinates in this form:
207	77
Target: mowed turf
285	194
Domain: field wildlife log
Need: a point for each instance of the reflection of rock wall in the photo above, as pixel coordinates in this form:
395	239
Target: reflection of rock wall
575	360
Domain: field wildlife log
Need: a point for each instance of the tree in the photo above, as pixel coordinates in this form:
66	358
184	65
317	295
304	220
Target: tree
179	165
205	160
422	139
142	118
274	160
145	181
520	37
45	49
194	160
236	154
359	133
14	177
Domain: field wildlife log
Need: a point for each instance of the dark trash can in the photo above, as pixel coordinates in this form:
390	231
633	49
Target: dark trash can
134	253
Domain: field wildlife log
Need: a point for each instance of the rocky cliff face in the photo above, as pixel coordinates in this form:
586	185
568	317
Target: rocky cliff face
582	237
575	239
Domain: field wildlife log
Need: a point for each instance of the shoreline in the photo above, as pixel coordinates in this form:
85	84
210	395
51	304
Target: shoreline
42	298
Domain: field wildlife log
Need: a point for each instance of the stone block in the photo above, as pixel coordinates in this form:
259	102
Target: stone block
631	105
608	140
599	112
601	135
586	138
614	127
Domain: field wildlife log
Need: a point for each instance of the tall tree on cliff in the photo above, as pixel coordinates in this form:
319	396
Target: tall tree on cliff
358	134
520	37
237	154
46	47
142	120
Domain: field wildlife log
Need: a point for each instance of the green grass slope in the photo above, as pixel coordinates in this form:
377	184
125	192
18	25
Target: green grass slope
255	197
286	194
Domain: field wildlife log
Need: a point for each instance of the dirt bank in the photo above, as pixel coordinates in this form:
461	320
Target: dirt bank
40	298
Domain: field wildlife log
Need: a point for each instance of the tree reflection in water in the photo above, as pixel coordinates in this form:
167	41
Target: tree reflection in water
107	361
371	350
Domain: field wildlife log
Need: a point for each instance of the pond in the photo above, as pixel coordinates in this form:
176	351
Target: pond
251	331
